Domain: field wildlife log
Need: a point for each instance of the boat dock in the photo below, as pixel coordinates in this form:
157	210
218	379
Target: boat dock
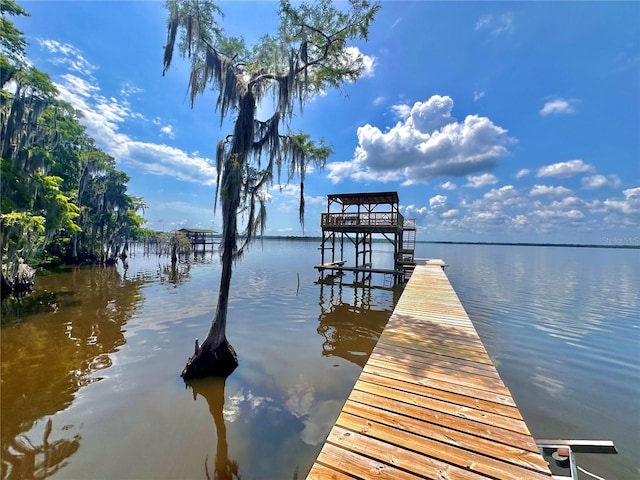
200	236
429	402
358	218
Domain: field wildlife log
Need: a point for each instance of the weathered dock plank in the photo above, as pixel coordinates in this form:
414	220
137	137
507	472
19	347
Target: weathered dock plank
429	403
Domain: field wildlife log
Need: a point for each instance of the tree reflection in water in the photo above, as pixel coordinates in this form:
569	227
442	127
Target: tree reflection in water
49	354
23	459
212	389
351	328
178	271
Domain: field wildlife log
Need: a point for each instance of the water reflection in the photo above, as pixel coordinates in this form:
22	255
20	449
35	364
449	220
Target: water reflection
175	273
299	363
25	459
254	424
553	281
50	353
213	392
562	326
350	328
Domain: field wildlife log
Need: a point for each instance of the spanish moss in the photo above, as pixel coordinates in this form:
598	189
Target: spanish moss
307	56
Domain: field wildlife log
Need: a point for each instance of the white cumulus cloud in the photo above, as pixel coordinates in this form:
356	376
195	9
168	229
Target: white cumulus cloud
451	213
127	90
368	62
439	201
479	181
558	214
629	205
545	190
168	131
401	111
564	169
557	106
502	194
428	142
600	181
103	118
413	211
519	221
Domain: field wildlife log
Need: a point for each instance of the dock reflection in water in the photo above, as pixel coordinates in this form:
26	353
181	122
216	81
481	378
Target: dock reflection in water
351	328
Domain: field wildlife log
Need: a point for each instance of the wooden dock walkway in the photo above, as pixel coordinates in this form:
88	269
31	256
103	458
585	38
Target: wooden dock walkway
429	403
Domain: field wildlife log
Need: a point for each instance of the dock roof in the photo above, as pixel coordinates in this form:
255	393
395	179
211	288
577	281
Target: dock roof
197	230
370	198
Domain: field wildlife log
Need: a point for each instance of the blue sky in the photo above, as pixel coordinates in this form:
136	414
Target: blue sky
494	121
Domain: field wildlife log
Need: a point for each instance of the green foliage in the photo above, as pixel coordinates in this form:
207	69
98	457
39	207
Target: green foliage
14	188
61	213
7	71
12	40
320	32
146	235
21	234
36	83
61	196
12	8
182	243
25	224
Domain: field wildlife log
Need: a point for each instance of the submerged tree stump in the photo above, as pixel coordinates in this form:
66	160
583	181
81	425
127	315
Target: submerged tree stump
211	361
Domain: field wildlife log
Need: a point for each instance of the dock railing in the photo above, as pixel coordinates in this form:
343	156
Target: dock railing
409	223
363	219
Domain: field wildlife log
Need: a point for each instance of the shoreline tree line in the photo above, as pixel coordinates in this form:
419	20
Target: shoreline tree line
62	198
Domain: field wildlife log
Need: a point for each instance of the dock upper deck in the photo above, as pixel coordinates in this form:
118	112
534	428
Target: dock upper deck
429	402
384	221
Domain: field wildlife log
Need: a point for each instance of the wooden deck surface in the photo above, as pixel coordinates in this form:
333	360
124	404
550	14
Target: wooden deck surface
429	403
361	269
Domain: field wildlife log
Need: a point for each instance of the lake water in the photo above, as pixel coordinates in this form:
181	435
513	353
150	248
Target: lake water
91	360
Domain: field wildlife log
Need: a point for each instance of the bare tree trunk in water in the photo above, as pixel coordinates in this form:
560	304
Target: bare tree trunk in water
74	247
216	356
102	245
174	250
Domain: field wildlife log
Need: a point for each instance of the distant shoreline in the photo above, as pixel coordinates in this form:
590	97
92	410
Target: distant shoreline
521	244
